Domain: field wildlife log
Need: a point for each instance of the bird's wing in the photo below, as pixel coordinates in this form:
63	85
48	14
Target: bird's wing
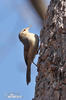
36	43
26	50
37	39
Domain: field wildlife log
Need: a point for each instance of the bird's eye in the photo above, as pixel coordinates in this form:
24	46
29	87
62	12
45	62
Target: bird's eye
24	30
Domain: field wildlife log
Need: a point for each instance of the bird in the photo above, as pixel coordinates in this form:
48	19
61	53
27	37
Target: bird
31	45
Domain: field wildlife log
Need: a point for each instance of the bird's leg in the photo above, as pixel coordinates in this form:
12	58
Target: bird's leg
35	64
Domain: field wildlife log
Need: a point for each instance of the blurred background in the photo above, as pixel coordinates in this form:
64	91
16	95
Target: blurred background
14	16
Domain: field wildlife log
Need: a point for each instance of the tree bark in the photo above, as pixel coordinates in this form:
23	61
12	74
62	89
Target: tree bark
51	66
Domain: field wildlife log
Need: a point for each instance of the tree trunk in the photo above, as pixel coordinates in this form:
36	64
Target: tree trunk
51	67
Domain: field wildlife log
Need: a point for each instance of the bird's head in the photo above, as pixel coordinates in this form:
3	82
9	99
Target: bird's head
24	32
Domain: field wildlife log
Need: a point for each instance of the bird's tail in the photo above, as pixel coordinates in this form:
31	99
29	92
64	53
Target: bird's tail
28	74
